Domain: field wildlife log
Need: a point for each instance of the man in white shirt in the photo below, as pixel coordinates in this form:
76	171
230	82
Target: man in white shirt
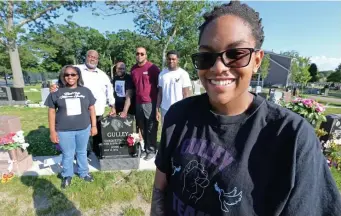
174	85
100	85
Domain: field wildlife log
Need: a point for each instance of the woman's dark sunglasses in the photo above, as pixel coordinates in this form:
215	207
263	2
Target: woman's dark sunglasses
232	58
73	75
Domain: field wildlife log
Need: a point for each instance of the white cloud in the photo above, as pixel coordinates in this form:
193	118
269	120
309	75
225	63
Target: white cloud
325	63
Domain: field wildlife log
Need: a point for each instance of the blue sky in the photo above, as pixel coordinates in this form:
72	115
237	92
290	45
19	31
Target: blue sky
311	28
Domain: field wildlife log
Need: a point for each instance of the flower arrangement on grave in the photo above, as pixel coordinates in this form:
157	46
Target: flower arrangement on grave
332	151
307	108
133	141
10	143
13	141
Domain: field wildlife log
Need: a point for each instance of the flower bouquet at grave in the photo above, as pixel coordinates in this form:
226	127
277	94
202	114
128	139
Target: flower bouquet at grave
10	143
134	141
307	108
332	151
13	141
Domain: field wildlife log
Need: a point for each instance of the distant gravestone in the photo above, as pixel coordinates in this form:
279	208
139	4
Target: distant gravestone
258	89
115	154
332	126
44	93
4	94
275	96
287	97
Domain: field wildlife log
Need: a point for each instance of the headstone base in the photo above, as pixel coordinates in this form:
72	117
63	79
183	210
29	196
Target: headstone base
21	166
119	163
24	161
12	103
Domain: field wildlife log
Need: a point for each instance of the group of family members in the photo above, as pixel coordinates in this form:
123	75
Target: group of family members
83	91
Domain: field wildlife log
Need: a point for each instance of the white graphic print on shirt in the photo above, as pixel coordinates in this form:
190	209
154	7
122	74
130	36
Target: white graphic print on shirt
174	168
228	199
195	180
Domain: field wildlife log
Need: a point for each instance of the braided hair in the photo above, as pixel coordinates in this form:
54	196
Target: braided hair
243	11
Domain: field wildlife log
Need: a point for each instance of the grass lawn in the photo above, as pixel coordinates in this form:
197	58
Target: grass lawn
32	93
112	193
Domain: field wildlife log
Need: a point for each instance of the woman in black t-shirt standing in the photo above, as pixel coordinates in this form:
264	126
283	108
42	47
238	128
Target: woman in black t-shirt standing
71	119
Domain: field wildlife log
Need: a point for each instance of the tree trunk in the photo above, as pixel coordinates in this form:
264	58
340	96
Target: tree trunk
185	65
258	79
74	60
18	79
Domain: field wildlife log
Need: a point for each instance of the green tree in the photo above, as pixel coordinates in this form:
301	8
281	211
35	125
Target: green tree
335	76
291	54
313	70
164	21
122	46
265	67
14	15
300	70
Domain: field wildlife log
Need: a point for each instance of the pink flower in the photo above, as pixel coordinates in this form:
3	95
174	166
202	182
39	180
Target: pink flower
130	141
308	102
319	108
297	100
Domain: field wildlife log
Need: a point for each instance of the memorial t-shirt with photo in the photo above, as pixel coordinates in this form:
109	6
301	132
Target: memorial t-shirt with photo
121	85
266	161
72	106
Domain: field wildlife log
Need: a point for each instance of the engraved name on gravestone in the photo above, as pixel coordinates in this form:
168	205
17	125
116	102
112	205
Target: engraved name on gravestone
115	131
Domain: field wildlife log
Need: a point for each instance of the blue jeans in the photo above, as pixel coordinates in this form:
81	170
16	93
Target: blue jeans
72	142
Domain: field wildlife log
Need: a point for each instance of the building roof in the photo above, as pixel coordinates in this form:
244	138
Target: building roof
281	60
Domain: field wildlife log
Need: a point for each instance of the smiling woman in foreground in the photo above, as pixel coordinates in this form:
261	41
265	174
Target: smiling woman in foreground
230	152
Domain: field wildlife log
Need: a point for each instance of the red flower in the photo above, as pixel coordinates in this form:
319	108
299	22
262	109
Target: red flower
7	139
130	141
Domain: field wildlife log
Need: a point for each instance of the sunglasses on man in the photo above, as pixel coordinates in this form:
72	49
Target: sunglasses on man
140	54
232	58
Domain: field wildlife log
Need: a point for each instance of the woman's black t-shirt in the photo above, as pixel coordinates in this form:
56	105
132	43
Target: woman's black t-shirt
266	161
72	106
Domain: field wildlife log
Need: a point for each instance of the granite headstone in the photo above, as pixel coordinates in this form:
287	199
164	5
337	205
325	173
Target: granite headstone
4	94
115	153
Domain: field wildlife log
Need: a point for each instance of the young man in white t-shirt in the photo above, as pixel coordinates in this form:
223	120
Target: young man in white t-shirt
174	85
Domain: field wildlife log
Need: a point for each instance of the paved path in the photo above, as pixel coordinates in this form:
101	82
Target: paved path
326	99
39	168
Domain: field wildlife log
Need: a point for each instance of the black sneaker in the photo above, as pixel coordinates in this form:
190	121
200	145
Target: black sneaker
143	154
88	178
149	156
66	182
